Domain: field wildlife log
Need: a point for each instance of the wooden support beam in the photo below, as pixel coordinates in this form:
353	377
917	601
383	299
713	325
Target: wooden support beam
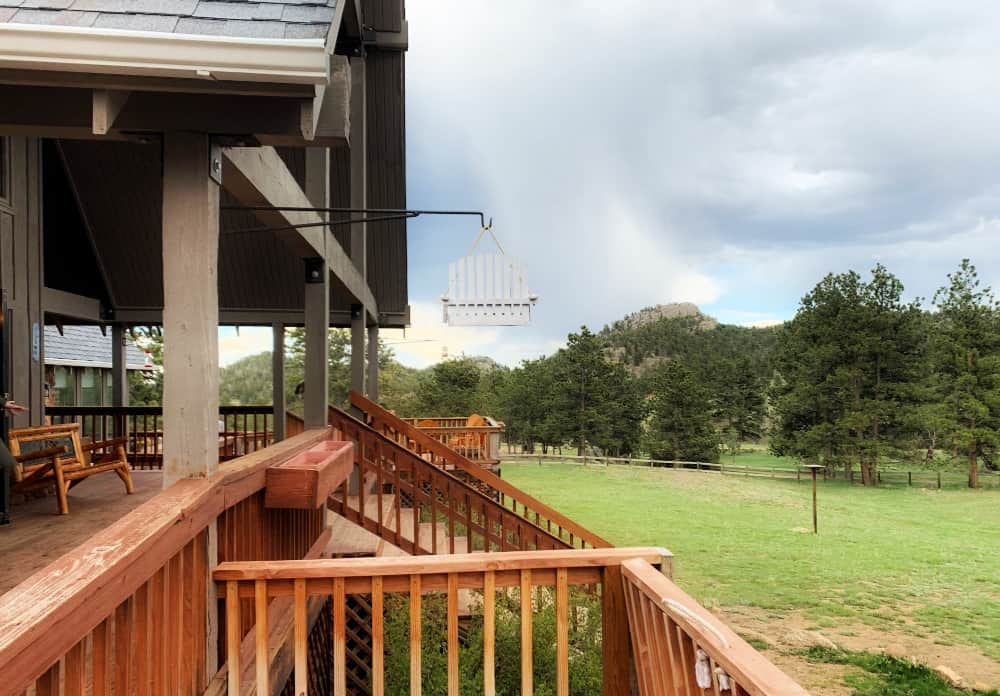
373	363
263	317
190	309
332	108
119	369
359	199
317	371
67	304
278	381
107	105
259	177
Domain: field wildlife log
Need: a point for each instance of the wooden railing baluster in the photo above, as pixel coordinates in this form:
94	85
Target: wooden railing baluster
527	658
453	634
261	634
562	632
339	638
378	627
301	647
489	633
415	642
234	634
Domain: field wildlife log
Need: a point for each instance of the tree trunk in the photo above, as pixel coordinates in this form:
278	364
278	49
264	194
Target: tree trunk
867	473
973	467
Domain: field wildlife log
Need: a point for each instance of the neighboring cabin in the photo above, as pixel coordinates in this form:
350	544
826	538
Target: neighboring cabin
78	365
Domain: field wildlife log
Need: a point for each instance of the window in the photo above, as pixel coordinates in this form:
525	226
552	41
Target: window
90	387
65	387
109	393
4	169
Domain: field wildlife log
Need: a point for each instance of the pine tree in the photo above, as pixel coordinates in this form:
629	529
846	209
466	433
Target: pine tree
966	346
681	426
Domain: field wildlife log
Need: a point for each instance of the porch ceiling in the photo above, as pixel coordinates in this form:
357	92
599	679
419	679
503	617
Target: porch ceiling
118	186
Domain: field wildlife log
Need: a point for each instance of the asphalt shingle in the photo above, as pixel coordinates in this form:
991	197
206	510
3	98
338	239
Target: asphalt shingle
86	344
271	19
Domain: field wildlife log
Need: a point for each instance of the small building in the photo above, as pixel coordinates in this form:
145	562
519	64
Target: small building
78	363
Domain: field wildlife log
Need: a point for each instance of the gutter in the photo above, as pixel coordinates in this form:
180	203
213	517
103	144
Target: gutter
161	54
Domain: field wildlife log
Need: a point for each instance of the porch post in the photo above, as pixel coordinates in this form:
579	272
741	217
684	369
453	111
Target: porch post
359	199
278	382
119	378
317	324
190	309
373	362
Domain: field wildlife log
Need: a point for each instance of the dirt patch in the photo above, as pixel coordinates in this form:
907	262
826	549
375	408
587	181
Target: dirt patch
793	632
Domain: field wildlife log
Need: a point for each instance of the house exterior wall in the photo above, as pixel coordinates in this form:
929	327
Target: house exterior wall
21	276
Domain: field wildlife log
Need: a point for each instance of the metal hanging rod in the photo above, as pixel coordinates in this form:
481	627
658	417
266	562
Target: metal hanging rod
381	215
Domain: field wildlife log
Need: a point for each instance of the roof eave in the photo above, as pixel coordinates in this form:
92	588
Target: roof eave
156	54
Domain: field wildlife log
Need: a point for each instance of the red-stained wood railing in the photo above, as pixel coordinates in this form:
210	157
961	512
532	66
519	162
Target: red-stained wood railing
478	444
378	578
131	610
422	508
680	648
511	497
244	429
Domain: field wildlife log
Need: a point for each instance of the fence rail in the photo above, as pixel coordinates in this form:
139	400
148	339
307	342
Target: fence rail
242	429
887	477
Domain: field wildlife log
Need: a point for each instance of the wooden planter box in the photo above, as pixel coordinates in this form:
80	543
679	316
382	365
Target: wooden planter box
305	481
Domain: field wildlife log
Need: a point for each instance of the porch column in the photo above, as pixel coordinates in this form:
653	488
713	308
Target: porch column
119	379
359	199
119	369
190	309
373	362
278	382
317	324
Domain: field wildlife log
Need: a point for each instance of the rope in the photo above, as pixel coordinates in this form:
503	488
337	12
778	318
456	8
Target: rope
485	229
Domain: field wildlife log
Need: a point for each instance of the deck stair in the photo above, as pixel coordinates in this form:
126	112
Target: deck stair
485	483
422	508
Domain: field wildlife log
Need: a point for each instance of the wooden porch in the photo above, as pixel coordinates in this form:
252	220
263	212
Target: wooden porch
138	608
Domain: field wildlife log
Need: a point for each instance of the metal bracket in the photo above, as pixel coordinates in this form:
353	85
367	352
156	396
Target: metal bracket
215	161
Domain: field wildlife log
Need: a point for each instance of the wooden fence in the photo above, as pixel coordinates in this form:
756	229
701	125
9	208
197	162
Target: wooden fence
886	477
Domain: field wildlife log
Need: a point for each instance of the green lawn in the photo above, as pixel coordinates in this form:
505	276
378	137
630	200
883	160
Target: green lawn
896	559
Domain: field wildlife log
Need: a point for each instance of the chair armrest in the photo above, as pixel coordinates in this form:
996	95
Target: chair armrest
103	444
46	453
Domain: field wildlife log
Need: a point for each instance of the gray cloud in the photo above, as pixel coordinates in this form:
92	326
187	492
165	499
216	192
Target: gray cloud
725	153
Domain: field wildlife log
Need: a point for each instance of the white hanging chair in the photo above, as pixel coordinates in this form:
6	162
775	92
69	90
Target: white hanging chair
487	290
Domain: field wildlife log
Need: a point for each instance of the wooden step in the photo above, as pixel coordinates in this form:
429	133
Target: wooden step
349	539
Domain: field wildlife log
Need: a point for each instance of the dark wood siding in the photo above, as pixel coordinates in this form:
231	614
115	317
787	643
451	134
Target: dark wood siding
384	15
387	177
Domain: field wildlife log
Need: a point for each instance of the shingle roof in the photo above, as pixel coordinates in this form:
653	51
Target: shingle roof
273	19
87	346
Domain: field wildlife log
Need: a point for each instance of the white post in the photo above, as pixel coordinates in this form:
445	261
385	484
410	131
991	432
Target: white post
190	309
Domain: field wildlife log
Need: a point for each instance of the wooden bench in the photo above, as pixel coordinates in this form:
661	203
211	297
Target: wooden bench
51	455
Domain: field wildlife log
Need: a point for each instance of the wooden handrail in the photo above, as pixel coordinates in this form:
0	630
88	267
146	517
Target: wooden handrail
447	498
386	566
52	611
338	580
380	416
669	628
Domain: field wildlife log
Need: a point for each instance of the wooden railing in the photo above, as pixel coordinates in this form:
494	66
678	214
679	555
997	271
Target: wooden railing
680	648
245	429
509	496
381	578
422	508
479	444
132	609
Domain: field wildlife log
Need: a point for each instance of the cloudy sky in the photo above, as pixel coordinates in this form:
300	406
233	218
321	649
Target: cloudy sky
723	153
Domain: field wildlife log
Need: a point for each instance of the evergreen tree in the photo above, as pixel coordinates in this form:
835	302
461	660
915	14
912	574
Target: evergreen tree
681	426
849	367
450	388
739	398
966	348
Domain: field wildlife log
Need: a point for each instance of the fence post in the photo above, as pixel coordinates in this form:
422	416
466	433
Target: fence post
798	474
747	473
615	638
909	478
939	480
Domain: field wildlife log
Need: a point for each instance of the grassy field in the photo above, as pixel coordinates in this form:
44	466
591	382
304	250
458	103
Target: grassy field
887	561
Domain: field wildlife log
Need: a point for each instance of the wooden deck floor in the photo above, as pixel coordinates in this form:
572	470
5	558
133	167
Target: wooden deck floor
38	535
